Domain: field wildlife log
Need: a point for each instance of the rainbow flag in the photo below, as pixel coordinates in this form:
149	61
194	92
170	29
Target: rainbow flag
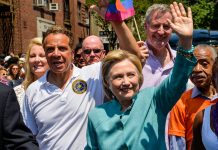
119	10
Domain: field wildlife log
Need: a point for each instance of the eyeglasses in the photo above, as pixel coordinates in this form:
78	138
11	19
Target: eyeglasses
15	68
88	51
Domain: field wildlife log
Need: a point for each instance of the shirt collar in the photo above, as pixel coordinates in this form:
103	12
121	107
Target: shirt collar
215	97
171	51
197	93
116	102
76	73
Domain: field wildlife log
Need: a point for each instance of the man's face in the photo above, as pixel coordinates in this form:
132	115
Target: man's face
58	53
93	50
158	30
202	72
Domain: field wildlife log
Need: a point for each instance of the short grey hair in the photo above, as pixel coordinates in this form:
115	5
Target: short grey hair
209	47
95	37
162	8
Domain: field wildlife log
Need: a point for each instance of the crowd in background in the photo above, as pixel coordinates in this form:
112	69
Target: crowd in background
12	71
57	87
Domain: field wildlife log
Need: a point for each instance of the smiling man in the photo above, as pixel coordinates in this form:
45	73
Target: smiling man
191	102
56	105
161	57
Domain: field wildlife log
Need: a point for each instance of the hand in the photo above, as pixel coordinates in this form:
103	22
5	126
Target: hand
182	22
101	9
143	51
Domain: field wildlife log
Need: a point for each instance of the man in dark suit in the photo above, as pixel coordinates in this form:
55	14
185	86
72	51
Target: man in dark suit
13	132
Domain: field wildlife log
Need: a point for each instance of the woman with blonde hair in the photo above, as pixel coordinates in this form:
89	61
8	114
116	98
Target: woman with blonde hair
36	65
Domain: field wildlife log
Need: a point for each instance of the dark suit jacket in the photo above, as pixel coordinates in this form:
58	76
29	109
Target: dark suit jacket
13	133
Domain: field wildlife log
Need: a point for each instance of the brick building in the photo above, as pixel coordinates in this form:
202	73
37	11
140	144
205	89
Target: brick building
30	18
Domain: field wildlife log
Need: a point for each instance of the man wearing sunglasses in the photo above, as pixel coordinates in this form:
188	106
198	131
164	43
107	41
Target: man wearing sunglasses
93	50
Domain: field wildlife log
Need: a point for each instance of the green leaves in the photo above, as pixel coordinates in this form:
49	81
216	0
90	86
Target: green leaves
205	14
202	13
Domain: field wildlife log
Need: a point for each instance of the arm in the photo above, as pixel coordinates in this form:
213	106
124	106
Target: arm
143	50
197	126
165	95
125	36
16	134
91	137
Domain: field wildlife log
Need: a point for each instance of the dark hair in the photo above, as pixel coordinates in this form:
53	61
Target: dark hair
12	60
58	29
16	77
78	46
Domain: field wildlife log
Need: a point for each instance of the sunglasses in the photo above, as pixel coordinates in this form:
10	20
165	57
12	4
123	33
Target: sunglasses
78	56
15	68
88	51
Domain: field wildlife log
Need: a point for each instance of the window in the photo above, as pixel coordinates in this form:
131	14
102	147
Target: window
66	11
79	8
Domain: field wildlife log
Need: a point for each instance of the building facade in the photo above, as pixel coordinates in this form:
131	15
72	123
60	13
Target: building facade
31	18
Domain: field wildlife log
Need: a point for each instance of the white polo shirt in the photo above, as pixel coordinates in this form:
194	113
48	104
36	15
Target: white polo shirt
58	117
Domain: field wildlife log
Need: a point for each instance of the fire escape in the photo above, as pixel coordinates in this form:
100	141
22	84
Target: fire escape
6	25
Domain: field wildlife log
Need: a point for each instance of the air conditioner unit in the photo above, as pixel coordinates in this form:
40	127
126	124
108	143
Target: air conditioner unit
40	3
53	6
87	21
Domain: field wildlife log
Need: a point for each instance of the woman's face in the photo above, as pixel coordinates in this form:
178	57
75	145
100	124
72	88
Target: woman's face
37	61
123	80
15	70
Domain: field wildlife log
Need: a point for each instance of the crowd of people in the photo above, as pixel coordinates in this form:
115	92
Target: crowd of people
12	69
137	97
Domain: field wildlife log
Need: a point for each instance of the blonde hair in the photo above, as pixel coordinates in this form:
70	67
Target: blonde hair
29	76
114	57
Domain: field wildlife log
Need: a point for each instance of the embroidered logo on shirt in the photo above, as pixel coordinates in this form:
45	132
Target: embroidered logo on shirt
79	86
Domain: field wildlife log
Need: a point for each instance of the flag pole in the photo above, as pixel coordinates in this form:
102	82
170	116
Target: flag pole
137	28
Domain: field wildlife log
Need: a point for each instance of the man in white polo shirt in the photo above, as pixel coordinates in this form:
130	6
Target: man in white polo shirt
56	105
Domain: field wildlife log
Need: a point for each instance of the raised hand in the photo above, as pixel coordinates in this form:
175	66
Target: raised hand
124	35
101	9
182	22
143	50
